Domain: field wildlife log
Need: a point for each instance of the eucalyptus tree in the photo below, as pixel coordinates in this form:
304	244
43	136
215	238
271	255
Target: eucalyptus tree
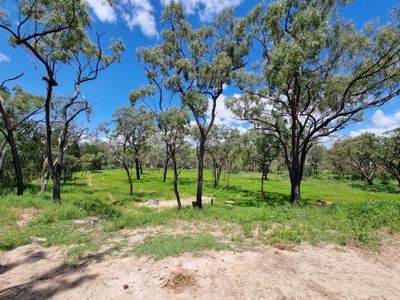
338	159
315	159
267	150
363	152
16	109
87	59
220	146
316	74
55	34
175	123
3	151
157	75
389	153
199	63
133	127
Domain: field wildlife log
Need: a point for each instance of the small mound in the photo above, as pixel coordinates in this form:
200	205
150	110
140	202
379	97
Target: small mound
178	282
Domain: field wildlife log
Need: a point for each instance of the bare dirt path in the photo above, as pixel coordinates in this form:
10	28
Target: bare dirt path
172	203
306	272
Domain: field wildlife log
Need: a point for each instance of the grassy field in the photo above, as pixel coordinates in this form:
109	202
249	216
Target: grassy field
357	215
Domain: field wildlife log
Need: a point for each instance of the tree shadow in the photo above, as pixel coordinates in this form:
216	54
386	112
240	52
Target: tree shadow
57	276
31	258
249	198
377	187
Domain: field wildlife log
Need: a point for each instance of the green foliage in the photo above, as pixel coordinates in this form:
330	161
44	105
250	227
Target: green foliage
97	208
316	75
356	216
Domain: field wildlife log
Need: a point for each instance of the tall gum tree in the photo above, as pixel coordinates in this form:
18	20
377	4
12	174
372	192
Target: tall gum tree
389	153
133	128
315	75
199	63
55	34
175	122
155	95
16	109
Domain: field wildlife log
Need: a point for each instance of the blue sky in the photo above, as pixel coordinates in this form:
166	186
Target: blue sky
138	23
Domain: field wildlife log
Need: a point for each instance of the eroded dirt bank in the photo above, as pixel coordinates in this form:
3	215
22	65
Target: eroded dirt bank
307	272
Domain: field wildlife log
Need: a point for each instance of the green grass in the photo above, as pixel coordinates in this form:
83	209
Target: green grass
357	215
82	252
158	247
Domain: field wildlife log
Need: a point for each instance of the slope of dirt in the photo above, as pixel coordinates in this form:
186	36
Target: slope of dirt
305	272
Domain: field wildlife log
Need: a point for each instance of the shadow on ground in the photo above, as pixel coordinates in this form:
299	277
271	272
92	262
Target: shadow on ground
377	187
46	285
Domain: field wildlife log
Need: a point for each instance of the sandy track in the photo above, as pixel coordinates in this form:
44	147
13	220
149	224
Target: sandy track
329	272
172	203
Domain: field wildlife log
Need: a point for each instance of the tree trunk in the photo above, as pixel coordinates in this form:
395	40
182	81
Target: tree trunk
178	198
17	166
214	172
295	181
296	162
2	153
229	173
49	152
137	166
262	183
200	171
129	179
44	181
295	196
296	168
56	180
13	147
266	172
263	177
141	168
219	171
45	175
165	166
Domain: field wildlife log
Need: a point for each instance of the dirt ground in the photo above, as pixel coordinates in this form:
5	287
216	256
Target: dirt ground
172	203
303	272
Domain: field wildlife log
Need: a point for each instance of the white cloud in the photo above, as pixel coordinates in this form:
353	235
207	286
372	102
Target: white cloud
381	123
330	140
4	58
103	11
140	13
224	116
135	13
206	9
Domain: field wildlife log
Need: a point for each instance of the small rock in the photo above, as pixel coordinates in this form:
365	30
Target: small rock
38	240
230	202
324	203
125	286
153	201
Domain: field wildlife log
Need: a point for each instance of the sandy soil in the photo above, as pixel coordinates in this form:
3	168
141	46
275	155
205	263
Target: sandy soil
90	182
305	272
25	215
172	203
